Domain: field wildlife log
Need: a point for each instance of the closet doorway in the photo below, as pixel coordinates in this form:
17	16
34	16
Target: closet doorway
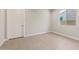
15	23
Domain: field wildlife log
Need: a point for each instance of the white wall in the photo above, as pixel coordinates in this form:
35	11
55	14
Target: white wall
37	21
2	25
15	23
72	30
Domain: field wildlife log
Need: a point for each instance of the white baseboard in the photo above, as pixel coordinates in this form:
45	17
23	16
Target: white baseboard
34	34
12	37
66	35
2	42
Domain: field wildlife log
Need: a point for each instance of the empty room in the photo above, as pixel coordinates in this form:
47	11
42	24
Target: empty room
39	29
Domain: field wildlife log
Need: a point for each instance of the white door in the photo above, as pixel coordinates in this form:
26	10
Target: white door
15	23
2	24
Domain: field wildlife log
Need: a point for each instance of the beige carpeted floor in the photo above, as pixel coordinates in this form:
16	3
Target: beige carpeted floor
47	41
